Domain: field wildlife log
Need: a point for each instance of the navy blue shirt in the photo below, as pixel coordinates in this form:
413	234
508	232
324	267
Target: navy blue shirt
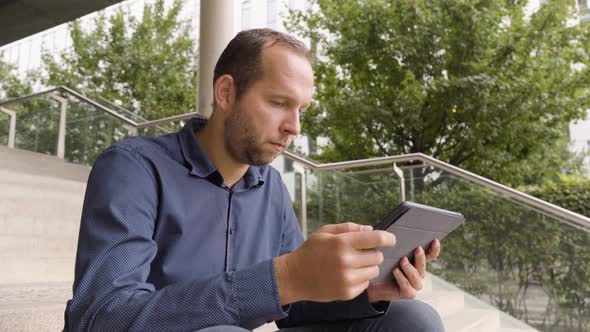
164	245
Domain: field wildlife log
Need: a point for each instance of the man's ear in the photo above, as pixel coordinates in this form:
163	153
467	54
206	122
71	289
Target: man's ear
224	92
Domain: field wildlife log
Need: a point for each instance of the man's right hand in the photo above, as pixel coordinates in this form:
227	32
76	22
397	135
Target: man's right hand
335	263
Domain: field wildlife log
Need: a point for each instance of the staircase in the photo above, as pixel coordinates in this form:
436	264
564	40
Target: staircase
40	203
460	311
463	312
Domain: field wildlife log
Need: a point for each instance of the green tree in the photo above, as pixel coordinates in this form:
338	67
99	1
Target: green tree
148	65
11	85
474	83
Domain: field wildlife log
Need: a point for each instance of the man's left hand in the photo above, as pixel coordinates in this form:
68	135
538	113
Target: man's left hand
407	278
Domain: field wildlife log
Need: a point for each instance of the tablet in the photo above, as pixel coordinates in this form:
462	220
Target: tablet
413	225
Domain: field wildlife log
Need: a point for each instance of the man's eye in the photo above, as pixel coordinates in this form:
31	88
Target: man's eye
278	103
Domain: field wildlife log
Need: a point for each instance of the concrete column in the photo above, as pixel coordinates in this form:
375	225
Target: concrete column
216	30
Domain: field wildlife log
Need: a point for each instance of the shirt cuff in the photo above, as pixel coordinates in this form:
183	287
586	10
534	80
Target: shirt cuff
257	295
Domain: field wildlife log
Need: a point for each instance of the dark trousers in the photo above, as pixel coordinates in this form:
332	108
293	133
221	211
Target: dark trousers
403	315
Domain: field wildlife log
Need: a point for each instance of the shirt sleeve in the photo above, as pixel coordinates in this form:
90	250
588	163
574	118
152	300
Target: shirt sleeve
112	291
309	312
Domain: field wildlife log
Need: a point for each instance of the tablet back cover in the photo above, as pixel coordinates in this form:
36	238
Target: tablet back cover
416	227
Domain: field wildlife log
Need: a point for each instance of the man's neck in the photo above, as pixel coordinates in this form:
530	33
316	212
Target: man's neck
211	140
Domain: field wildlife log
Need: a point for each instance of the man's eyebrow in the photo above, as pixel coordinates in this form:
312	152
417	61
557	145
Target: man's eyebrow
279	95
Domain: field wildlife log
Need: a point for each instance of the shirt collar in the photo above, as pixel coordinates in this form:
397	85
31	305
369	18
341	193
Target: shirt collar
200	164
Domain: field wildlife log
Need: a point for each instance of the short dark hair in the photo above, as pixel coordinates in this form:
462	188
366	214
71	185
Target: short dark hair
242	57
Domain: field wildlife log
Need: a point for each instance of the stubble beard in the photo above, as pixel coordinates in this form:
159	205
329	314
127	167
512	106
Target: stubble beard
240	141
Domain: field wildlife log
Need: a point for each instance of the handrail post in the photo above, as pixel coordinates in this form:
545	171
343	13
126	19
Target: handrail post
304	202
12	126
402	182
61	135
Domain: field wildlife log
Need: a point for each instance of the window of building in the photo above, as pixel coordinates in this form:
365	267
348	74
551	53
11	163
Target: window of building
247	14
288	168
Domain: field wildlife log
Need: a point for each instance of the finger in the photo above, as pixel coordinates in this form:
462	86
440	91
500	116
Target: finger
387	289
420	261
356	290
364	274
365	257
434	250
370	240
344	228
406	291
412	274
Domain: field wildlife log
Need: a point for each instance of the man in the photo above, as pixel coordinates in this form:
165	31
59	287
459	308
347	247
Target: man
192	230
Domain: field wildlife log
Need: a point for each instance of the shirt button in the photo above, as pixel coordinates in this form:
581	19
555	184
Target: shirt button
231	231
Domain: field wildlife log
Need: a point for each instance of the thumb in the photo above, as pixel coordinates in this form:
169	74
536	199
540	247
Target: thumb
344	228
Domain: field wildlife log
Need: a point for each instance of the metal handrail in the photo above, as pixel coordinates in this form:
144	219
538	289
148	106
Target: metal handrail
137	125
153	123
77	95
552	209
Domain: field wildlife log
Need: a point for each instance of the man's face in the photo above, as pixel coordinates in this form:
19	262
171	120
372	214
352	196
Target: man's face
265	120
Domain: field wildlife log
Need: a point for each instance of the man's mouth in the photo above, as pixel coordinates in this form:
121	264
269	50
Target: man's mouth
278	146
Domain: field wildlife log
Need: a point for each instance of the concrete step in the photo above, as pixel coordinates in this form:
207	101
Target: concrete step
31	247
40	181
427	283
501	319
39	226
33	307
30	191
481	320
445	303
36	269
40	307
33	163
40	208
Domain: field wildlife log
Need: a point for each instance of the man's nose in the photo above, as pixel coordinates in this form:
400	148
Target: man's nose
291	124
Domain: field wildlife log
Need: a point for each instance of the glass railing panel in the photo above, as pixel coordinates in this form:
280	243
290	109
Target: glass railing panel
117	107
360	196
90	130
37	124
4	128
531	265
162	129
